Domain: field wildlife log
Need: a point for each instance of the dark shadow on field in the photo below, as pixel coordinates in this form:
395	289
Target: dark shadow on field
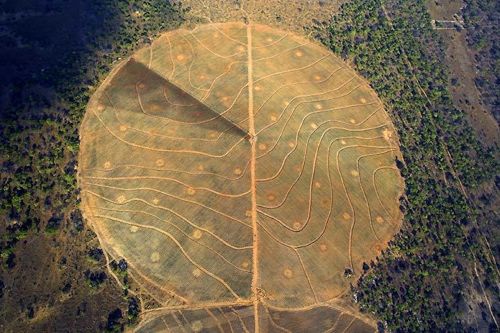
162	98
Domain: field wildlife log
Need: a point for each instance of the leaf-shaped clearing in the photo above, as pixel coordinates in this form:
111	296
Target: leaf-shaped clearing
240	171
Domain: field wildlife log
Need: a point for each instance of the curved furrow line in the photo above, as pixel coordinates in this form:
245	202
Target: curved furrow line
215	53
271	234
263	180
303	164
306	102
270	44
242	323
176	214
171	170
327	219
218	115
307	221
283	51
124	123
281	328
295	144
227	195
183	319
172	293
179	229
349	326
215	319
169	102
179	245
314	112
178	322
217	78
171	58
171	196
228	37
166	325
353	216
377	194
228	321
363	190
191	65
292	69
167	121
330	210
306	275
296	83
166	150
335	323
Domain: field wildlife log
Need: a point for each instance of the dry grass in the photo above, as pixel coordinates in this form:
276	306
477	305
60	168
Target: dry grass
240	170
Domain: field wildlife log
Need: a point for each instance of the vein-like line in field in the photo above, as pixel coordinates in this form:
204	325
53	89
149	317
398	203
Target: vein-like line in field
168	100
315	157
270	44
348	326
227	195
330	210
172	196
220	239
377	194
265	77
292	69
184	317
186	255
227	36
155	284
326	221
218	115
297	83
296	143
291	84
178	322
227	320
311	113
242	324
176	227
282	112
358	169
217	78
215	319
353	217
171	58
246	85
283	51
274	323
213	52
306	275
165	119
166	325
165	150
200	173
170	137
191	65
334	325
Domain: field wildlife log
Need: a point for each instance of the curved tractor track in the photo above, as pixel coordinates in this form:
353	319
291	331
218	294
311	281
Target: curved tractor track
240	171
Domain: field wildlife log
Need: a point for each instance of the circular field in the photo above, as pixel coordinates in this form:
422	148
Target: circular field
242	172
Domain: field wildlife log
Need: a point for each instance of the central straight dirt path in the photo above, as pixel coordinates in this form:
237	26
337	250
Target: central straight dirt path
253	142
